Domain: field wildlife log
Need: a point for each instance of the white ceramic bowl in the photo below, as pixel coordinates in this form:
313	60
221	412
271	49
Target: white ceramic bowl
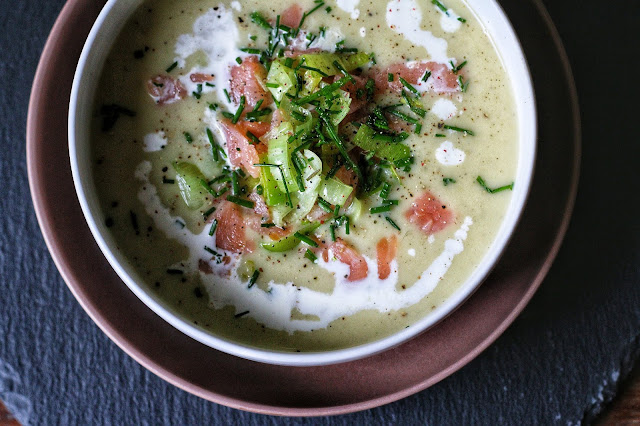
98	44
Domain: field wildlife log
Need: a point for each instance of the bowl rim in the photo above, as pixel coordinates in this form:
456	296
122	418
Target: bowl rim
527	122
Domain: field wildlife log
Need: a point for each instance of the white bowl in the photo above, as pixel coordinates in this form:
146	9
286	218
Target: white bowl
105	30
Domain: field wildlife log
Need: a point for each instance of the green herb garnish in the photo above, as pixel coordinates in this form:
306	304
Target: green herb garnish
172	67
459	129
214	226
254	278
446	181
494	190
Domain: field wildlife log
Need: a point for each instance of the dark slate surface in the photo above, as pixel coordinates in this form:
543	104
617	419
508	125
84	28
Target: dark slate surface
560	362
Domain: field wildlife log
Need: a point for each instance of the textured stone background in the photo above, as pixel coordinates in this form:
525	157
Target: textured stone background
560	362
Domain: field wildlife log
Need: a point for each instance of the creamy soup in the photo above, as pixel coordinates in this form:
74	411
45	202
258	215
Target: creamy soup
304	176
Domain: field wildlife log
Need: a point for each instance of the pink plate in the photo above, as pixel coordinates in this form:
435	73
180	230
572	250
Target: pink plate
305	391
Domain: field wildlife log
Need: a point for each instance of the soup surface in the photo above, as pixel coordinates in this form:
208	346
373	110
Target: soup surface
304	176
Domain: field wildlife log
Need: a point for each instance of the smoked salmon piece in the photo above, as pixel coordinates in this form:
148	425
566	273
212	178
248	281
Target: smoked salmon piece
242	153
248	79
165	89
353	88
358	268
387	249
198	77
442	79
429	214
291	16
230	234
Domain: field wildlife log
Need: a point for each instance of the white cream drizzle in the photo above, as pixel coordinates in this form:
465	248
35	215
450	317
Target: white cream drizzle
215	34
448	155
449	20
326	42
154	141
273	307
444	109
405	17
350	6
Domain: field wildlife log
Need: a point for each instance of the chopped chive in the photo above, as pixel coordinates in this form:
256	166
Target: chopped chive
328	9
440	135
258	105
462	84
447	181
386	188
391	202
240	201
254	278
426	76
212	142
336	211
267	225
440	6
210	190
406	84
458	68
494	190
392	223
214	226
315	70
239	60
235	186
168	181
332	231
305	239
213	107
250	51
253	138
273	85
180	223
338	142
412	105
403	116
343	71
418	128
209	84
380	209
208	213
257	19
346	225
389	77
226	94
462	20
310	255
323	92
175	271
241	314
172	67
459	129
238	113
220	179
188	137
228	115
324	205
210	250
259	190
304	15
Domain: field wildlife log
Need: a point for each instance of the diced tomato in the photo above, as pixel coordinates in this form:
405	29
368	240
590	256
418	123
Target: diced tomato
442	79
230	234
291	16
247	79
165	89
197	77
241	152
358	268
429	214
387	250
